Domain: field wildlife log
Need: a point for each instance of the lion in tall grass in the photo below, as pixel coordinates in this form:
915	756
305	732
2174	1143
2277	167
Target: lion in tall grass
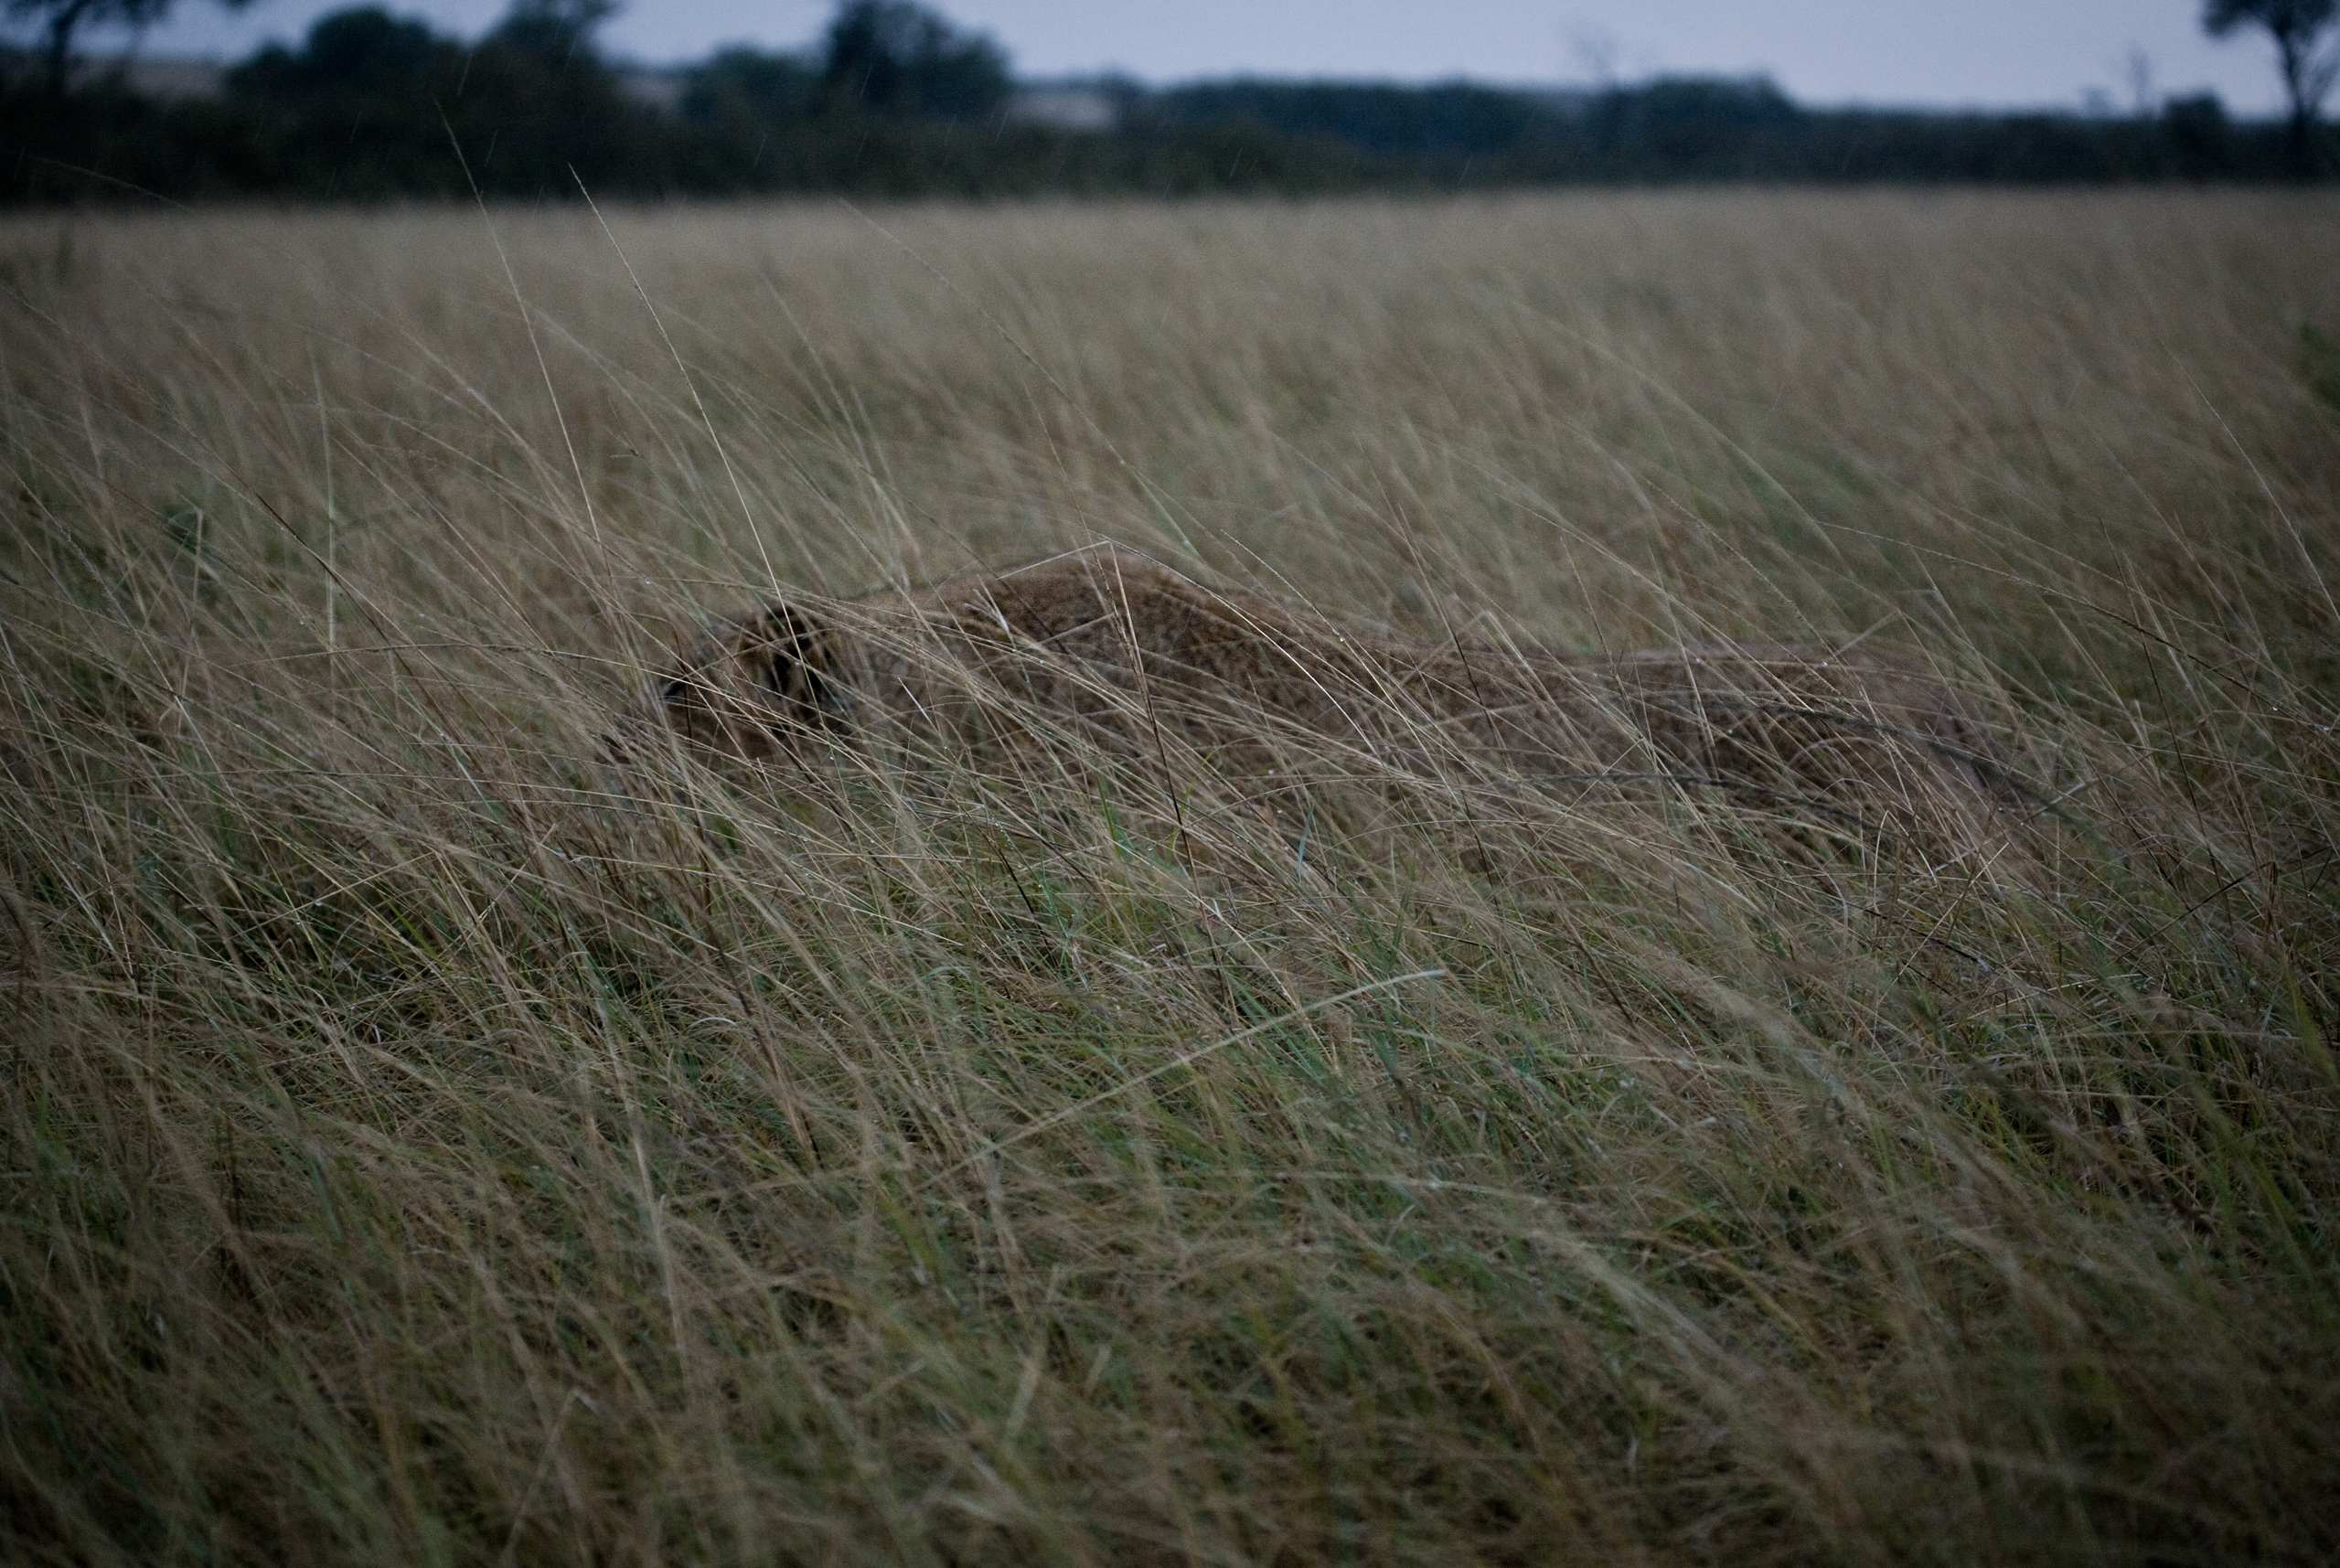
1108	647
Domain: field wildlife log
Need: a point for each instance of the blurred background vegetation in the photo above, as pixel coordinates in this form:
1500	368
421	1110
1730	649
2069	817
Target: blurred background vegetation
895	100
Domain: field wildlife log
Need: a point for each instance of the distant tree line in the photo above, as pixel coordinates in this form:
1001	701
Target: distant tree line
894	100
1677	130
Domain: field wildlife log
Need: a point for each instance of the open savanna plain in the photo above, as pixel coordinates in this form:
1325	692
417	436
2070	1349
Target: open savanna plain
429	1135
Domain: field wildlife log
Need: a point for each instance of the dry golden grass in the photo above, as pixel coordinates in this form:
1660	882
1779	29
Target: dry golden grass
426	1143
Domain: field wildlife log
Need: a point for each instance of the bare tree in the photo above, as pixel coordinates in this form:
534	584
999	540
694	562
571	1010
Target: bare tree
2298	27
2137	72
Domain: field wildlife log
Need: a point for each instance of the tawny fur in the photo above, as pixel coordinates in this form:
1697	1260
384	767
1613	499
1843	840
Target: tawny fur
1126	652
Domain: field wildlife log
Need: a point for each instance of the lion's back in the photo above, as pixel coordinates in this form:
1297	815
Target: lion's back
1128	652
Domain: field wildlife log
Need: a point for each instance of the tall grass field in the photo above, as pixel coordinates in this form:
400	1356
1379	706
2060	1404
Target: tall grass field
426	1137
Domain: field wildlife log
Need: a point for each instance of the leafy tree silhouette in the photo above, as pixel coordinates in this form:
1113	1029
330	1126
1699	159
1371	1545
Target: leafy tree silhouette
553	29
895	57
360	55
367	104
2297	26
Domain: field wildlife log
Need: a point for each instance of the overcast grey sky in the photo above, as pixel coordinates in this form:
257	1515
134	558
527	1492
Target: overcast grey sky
1985	52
